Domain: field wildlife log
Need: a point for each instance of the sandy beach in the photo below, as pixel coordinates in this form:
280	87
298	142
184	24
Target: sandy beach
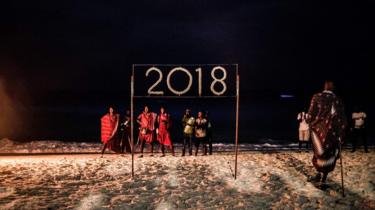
275	180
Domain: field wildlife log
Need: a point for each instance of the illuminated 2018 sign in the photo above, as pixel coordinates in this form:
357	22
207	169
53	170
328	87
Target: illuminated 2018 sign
185	80
189	81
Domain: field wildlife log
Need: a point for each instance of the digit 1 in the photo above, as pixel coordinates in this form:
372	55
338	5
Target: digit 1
199	70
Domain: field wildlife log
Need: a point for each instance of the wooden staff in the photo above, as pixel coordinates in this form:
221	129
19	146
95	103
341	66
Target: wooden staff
131	120
342	171
237	109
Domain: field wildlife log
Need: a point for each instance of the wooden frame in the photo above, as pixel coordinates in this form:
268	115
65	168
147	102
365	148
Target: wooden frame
132	97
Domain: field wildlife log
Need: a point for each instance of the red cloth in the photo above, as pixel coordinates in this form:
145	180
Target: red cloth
147	126
108	125
163	131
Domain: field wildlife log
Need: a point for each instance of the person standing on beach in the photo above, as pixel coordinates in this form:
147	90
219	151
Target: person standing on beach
200	133
163	135
209	133
358	129
303	130
146	121
188	122
125	133
109	125
328	122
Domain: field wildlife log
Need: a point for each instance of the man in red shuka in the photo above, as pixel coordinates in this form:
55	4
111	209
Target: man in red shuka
146	121
109	125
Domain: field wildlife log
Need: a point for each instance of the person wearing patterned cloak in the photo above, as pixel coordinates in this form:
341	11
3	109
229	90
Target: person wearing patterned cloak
146	121
188	122
328	122
109	125
163	135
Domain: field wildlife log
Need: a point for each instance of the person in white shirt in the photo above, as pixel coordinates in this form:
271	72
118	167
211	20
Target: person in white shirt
358	129
200	133
304	129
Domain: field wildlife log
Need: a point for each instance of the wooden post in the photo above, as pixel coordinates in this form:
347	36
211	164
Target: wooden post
237	113
342	171
132	119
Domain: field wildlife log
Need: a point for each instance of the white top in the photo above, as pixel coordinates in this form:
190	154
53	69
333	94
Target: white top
359	119
303	125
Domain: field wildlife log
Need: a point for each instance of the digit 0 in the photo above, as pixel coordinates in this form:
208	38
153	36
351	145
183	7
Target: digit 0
169	81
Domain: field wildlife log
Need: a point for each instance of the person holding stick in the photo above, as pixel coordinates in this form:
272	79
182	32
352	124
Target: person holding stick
328	122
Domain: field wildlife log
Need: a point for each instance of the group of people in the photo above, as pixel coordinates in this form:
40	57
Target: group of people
154	127
198	130
325	123
115	135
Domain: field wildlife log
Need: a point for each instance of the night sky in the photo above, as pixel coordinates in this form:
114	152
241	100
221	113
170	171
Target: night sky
75	56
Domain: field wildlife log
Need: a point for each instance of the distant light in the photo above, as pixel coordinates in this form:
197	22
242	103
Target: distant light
286	96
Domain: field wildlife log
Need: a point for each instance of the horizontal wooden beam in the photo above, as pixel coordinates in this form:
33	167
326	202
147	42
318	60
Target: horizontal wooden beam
187	97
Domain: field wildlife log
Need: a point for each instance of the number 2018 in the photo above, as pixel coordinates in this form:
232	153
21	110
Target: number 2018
215	80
